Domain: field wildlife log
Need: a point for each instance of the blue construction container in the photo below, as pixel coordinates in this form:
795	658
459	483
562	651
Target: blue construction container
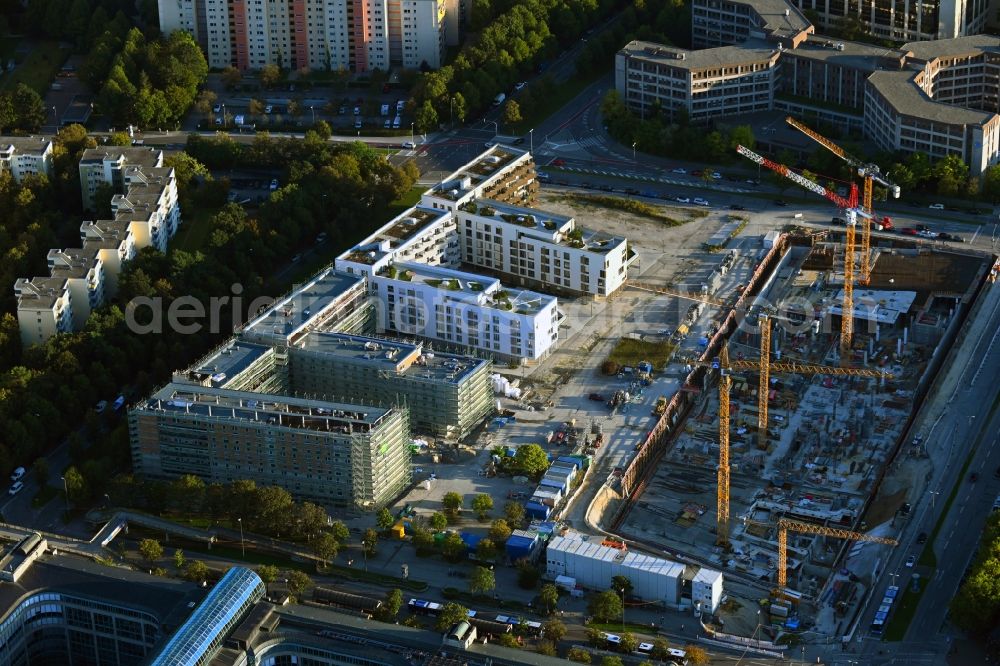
519	547
536	510
553	483
471	540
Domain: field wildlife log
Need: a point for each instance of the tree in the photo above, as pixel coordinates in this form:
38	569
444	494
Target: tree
393	603
450	615
422	540
29	108
499	531
629	643
231	77
76	485
548	596
579	655
661	649
606	606
511	112
622	584
268	573
531	460
41	468
339	531
438	521
486	550
459	107
611	660
269	75
453	548
595	637
706	174
325	547
527	575
546	647
452	503
179	559
150	550
298	582
696	656
482	581
426	117
384	520
482	504
514	513
370	542
196	572
119	139
554	629
508	640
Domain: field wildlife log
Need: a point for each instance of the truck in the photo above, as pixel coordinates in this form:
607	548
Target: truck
878	224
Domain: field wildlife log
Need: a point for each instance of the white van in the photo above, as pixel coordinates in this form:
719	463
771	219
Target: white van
395	122
499	99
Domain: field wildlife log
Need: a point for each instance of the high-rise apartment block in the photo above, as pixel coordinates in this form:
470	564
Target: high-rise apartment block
146	213
938	97
26	156
353	35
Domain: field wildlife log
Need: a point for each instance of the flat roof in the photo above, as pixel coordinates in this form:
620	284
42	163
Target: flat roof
930	49
294	312
394	356
275	409
856	55
479	171
229	360
395	234
885	307
750	51
39	293
37	144
225	602
472	288
908	99
132	155
73	262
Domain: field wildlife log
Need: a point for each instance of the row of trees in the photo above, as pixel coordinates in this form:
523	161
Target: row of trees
513	39
976	607
79	22
21	109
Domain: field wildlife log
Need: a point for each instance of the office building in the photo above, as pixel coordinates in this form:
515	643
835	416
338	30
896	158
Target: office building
937	97
26	156
907	20
544	250
332	453
447	395
337	35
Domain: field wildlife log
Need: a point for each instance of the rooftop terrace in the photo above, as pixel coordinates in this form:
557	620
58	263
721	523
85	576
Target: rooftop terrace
394	235
475	173
394	356
559	229
278	410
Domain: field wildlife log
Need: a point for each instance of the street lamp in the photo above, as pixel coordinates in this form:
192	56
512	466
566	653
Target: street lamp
531	139
65	491
633	150
364	551
411	132
313	109
933	493
242	543
55	115
451	107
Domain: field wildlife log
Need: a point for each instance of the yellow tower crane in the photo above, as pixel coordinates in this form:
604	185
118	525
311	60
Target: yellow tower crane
871	174
785	526
764	366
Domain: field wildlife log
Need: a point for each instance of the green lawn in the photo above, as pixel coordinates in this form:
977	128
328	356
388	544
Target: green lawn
548	105
631	352
192	235
38	69
903	613
408	200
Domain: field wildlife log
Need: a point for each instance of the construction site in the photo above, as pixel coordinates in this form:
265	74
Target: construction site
784	458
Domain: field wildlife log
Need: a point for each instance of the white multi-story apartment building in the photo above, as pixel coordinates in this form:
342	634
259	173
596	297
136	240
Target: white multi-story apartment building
542	249
44	308
100	165
114	243
358	36
83	272
25	156
720	81
501	173
466	311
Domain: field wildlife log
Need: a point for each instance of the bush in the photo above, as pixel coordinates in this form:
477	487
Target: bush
609	367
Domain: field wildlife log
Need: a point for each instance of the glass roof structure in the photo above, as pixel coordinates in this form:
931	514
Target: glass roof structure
198	638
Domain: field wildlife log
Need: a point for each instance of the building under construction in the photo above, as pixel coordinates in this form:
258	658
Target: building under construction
800	449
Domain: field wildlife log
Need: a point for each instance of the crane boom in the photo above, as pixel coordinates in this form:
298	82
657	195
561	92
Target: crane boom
722	496
785	525
799	179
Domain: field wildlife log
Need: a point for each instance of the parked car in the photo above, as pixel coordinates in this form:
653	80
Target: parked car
217	108
387	124
936	206
698	201
409	144
679	170
697	172
16	488
520	85
101	406
297	258
268	109
357	123
973	477
357	110
17	474
951	237
716	175
910	561
683	200
558	162
321	238
274	184
781	202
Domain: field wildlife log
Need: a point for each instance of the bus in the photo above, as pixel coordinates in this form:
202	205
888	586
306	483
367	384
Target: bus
424	607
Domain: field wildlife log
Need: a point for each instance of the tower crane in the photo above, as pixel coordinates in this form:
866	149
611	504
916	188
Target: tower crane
871	174
852	212
764	366
785	526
